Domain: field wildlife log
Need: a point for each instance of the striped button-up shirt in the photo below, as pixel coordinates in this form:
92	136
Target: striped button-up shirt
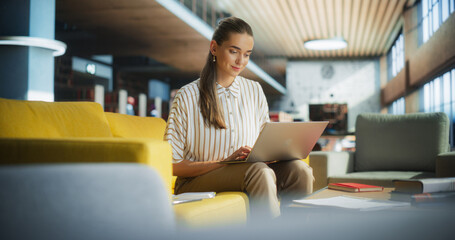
245	113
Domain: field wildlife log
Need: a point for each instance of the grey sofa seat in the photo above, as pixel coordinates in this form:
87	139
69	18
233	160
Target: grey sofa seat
389	147
83	201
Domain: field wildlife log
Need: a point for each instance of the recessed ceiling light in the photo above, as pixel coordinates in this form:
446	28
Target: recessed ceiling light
326	44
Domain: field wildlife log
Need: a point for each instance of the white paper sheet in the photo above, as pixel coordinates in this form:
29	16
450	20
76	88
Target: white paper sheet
363	204
191	197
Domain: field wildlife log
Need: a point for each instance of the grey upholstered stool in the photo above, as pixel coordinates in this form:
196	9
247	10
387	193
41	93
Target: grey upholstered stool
83	201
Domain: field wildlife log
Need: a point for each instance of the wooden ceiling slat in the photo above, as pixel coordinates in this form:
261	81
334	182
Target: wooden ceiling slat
354	29
331	22
293	28
361	30
311	28
371	16
331	26
312	10
286	25
392	24
274	42
294	42
339	22
384	22
275	22
347	6
376	23
306	19
322	18
301	29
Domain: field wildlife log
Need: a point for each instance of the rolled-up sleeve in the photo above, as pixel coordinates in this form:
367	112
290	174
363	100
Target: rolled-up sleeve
176	129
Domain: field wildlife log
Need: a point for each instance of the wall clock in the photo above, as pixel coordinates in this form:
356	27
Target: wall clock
327	71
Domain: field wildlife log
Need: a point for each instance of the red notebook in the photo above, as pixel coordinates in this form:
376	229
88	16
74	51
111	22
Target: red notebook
355	187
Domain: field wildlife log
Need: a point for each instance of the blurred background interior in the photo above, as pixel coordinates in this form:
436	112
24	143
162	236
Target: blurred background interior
393	56
316	60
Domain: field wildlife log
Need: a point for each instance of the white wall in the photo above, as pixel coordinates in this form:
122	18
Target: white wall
353	82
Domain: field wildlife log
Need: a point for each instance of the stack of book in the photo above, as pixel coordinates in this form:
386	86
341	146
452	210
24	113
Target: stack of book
424	191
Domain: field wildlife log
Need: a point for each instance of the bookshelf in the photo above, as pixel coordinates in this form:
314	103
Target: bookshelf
70	85
111	102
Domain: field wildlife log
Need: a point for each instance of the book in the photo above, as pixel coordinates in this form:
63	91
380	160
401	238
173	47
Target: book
428	185
355	187
362	204
191	197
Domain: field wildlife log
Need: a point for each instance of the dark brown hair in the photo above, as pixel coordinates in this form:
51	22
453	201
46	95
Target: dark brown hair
208	101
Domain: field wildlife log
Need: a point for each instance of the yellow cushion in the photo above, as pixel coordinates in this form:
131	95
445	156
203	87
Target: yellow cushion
225	208
123	125
174	178
152	152
35	119
307	160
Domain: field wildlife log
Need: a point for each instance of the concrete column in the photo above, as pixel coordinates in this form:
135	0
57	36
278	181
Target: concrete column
27	72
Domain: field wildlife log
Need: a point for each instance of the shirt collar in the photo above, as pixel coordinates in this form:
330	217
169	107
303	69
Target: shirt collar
234	89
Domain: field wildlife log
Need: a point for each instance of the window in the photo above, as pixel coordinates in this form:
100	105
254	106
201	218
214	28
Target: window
395	57
398	107
433	14
439	96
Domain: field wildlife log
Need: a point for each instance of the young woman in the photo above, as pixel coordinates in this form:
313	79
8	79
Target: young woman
217	118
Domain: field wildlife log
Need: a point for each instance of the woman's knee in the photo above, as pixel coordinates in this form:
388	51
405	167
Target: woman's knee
260	171
306	171
305	177
301	177
296	169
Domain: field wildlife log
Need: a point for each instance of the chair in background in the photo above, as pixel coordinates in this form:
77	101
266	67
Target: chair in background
390	147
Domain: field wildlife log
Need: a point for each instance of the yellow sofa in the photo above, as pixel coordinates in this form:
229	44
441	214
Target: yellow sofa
44	132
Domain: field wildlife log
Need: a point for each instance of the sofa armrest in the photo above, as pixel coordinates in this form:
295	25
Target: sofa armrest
445	165
327	164
152	152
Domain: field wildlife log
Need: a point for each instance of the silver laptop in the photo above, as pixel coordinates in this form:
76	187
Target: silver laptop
280	141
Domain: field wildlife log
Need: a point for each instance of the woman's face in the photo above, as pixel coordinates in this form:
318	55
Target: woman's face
233	55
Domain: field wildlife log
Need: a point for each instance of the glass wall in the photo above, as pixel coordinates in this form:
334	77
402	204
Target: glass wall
438	95
395	58
433	14
398	107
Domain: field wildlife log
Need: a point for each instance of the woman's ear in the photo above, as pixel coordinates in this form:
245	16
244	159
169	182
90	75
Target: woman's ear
213	47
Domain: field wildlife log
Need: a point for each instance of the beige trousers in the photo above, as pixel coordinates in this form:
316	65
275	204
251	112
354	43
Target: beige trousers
262	183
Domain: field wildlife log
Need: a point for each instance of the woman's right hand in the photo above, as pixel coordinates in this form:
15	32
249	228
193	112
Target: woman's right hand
240	154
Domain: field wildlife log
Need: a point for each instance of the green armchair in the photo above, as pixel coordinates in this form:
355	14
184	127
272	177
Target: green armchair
390	147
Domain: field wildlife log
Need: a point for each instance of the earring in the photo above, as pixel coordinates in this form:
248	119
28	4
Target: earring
214	59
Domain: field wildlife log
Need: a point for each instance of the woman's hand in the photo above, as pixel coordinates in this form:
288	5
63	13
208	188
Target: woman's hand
240	154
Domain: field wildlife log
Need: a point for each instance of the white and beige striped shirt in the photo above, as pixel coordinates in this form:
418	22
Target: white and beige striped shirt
245	113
